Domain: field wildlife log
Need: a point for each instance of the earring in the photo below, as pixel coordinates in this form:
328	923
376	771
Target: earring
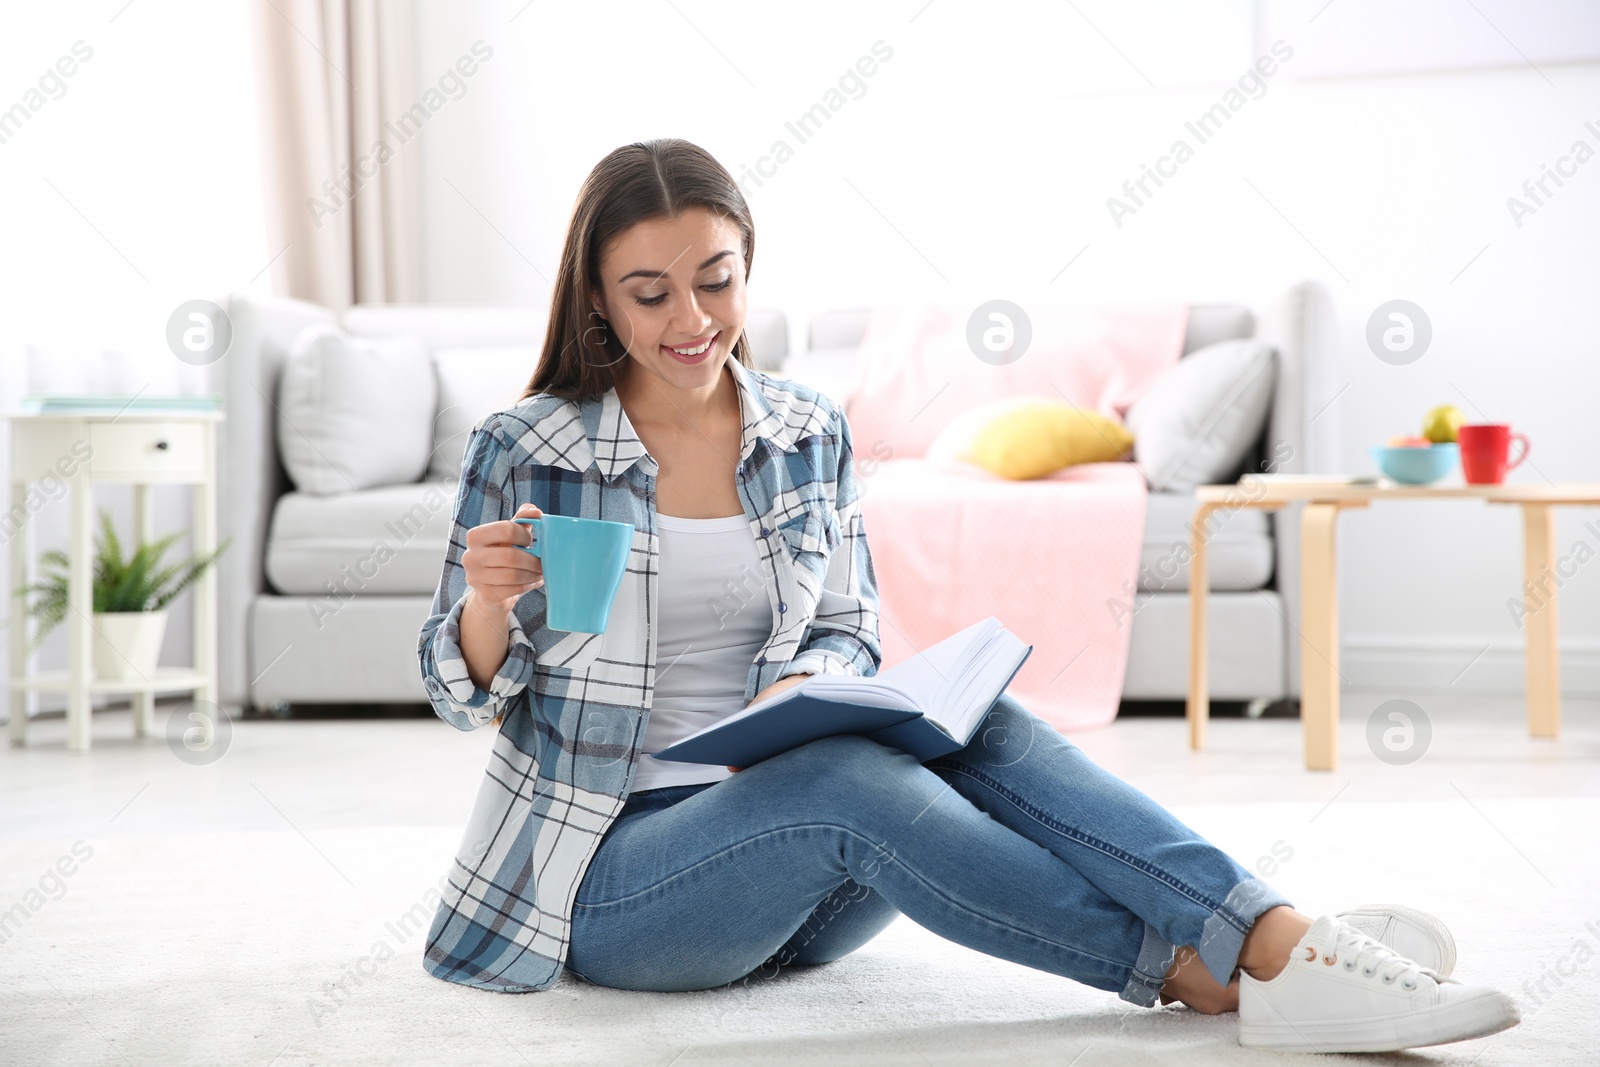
601	343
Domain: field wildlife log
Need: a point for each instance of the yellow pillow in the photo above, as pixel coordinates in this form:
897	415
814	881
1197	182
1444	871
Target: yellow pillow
1022	437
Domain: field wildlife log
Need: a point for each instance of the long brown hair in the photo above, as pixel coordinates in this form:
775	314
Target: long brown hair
635	183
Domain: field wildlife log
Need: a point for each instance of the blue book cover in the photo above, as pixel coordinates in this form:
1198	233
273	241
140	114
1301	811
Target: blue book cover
928	705
100	402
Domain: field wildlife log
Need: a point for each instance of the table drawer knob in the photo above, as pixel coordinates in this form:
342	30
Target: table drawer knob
161	445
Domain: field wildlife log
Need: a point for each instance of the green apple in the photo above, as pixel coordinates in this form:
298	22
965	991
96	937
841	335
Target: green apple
1440	424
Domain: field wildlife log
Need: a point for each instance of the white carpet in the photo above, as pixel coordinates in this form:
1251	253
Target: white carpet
217	948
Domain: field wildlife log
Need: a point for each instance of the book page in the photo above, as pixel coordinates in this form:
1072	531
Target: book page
966	701
948	686
936	682
930	674
874	692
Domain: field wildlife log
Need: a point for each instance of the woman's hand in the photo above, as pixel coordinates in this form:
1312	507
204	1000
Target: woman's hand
497	570
498	573
776	687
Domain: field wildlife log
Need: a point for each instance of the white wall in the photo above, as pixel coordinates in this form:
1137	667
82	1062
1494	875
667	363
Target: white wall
979	161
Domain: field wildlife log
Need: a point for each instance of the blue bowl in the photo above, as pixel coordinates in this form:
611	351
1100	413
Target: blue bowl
1417	466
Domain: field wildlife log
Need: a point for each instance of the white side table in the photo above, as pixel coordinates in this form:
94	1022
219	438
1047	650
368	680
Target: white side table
79	450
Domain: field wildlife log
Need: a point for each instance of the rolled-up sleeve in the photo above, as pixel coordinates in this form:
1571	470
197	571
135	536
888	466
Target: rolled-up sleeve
843	637
485	495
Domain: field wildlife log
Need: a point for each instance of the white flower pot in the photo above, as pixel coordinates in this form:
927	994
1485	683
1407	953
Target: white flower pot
127	644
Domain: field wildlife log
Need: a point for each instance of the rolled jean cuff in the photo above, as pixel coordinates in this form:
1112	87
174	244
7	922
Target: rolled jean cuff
1150	970
1222	937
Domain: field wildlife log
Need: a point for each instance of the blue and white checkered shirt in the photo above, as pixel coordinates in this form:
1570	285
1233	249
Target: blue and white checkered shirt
576	704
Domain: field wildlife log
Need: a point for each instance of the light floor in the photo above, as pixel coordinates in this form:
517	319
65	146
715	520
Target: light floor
218	903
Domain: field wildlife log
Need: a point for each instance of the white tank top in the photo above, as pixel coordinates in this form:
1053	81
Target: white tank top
713	617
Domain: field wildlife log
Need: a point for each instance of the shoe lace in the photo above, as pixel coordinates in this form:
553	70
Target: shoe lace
1355	949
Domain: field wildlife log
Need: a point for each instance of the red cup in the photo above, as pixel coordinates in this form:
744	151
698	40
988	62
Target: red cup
1485	449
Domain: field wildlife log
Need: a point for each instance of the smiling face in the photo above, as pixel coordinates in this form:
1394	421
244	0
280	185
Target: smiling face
673	293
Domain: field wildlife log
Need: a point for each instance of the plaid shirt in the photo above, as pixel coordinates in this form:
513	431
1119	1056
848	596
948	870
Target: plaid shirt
576	704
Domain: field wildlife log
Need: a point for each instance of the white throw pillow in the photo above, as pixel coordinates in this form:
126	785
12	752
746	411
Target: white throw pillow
1197	422
473	382
354	412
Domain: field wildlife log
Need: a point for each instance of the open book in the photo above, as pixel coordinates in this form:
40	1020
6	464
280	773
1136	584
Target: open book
928	705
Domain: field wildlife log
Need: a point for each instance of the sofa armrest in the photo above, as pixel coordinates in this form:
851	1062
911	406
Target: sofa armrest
251	477
1297	326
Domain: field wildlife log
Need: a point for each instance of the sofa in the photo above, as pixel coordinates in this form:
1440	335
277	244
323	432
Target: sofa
1254	575
285	637
307	617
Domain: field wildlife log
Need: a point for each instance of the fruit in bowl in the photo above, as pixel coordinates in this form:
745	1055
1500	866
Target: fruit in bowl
1422	459
1440	424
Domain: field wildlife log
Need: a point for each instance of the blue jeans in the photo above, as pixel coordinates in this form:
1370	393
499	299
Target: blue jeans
1017	846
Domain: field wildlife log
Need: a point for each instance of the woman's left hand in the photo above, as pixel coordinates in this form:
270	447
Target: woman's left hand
777	687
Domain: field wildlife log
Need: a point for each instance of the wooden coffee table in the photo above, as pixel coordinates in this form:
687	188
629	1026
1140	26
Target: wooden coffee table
1319	607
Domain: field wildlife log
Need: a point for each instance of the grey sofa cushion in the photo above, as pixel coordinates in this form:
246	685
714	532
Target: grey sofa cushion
353	412
1197	422
473	382
384	541
1240	547
830	371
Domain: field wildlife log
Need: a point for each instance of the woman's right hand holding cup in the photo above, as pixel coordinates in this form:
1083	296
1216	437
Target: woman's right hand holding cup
498	569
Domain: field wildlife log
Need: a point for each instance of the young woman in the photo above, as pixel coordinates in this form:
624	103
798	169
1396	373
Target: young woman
749	571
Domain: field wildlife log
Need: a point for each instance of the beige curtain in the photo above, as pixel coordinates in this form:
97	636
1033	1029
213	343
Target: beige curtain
340	183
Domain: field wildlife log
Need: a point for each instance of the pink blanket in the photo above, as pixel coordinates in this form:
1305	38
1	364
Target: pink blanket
916	370
1054	559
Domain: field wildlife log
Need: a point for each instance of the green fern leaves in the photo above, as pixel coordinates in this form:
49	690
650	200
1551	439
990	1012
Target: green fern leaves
139	583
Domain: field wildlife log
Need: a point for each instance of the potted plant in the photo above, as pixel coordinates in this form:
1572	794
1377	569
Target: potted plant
130	598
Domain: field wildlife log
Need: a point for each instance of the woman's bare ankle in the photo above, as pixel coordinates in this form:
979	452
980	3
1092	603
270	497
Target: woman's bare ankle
1273	936
1189	981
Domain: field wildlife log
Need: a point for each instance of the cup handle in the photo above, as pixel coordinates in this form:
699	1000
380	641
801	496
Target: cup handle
1526	448
536	528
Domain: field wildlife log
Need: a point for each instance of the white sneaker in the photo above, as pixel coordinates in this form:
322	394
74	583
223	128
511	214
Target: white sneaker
1411	932
1343	991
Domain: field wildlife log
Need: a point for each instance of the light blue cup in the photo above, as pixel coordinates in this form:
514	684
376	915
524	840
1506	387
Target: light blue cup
584	560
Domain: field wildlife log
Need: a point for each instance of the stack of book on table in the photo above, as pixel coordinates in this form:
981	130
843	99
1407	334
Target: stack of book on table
112	403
